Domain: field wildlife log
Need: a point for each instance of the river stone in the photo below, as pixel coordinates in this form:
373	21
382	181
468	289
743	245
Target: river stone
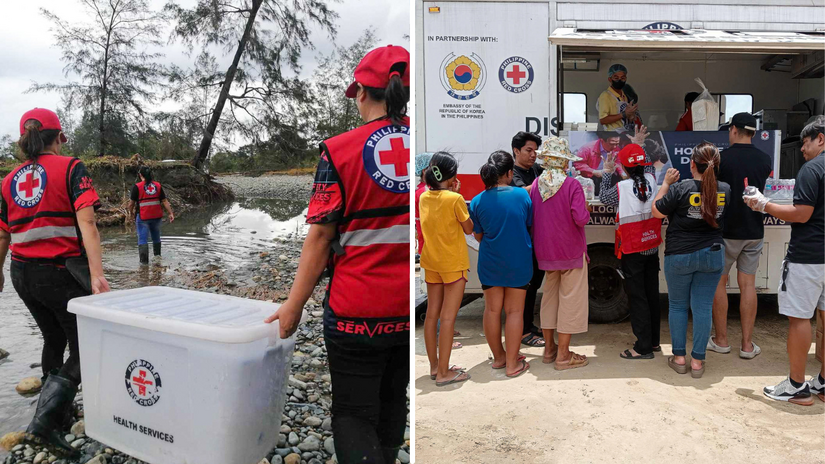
264	461
329	445
29	385
310	444
97	460
79	428
28	452
78	443
70	438
293	439
327	424
293	382
12	440
276	459
312	421
293	458
285	428
403	457
3	353
41	456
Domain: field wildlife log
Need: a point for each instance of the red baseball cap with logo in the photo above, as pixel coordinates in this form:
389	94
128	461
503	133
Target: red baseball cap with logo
633	155
375	69
48	121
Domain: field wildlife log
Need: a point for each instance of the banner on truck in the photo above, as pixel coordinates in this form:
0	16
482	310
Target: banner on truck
486	74
667	149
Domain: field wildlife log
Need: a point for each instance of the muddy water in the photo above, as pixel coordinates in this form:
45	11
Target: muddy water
222	237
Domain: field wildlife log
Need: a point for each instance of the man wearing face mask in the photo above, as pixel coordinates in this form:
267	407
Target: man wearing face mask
613	105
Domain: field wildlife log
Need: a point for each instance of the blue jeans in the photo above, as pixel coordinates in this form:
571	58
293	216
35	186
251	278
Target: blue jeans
691	283
144	228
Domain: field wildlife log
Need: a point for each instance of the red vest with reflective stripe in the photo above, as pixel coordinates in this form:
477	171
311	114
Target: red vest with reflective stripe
149	200
371	279
41	218
637	230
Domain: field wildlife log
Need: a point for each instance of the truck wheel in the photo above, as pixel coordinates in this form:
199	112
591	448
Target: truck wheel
608	301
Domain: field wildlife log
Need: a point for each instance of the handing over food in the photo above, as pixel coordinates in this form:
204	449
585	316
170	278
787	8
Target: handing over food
756	200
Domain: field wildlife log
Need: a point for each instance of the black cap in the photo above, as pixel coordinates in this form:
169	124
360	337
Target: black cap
744	121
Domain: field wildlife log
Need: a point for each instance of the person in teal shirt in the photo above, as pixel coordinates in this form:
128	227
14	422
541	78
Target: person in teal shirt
501	215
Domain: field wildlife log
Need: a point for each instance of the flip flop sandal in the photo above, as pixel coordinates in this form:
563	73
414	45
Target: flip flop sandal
550	359
697	373
626	354
521	357
532	340
576	360
453	368
524	366
454	379
679	368
457	345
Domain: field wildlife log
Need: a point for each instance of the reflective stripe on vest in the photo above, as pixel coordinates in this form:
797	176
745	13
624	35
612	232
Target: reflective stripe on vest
366	237
637	230
40	233
370	279
41	216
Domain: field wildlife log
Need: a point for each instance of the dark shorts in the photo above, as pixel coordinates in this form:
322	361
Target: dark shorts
487	287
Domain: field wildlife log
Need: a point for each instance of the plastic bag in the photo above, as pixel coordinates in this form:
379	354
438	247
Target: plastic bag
588	186
705	110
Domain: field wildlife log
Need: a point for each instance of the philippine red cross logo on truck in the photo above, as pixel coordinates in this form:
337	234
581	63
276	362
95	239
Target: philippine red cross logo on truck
515	74
28	185
143	383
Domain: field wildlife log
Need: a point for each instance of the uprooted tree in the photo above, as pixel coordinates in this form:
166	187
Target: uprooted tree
115	74
267	37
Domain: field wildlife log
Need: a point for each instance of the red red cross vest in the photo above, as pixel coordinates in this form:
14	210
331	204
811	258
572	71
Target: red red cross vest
371	278
149	200
637	230
41	216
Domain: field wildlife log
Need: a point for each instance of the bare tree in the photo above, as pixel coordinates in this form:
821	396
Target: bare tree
266	36
115	75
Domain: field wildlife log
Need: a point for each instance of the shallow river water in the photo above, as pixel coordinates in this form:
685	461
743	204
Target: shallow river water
216	237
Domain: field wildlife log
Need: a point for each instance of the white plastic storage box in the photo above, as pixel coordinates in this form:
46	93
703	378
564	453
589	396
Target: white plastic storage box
175	376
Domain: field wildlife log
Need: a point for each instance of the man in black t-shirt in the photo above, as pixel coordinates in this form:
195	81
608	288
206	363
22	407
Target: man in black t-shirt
802	287
742	165
525	171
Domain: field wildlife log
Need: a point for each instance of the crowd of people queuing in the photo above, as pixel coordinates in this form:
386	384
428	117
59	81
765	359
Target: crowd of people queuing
530	224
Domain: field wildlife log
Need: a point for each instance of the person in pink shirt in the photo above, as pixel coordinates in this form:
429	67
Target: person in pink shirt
596	154
559	216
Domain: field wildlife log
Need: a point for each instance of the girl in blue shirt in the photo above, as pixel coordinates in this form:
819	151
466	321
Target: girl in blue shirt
501	216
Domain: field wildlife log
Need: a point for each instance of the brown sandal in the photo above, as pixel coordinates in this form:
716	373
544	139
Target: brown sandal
575	361
679	368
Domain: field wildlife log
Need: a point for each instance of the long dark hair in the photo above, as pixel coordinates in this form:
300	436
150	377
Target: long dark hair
146	172
498	164
34	141
705	156
442	167
642	189
396	95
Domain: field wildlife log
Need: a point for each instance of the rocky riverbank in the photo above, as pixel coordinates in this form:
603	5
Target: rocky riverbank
280	186
306	434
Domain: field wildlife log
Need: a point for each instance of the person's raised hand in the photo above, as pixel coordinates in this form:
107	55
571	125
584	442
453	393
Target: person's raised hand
640	135
630	110
672	176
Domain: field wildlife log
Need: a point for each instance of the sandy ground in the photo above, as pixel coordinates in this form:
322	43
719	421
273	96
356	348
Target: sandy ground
615	410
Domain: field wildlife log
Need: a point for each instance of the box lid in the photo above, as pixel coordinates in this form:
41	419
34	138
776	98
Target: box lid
188	313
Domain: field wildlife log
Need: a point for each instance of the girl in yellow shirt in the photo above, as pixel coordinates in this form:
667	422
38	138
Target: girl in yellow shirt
444	222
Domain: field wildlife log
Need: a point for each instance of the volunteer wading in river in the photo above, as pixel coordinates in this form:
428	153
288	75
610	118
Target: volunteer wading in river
146	199
47	219
360	216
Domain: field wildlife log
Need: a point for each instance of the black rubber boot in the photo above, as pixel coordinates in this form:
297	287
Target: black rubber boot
390	454
156	248
47	425
143	251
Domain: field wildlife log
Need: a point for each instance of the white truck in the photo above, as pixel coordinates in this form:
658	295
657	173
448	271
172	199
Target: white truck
488	69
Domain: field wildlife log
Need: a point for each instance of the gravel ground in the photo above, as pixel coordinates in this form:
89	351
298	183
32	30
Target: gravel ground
277	186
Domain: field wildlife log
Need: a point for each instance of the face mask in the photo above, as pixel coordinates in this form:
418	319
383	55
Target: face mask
618	85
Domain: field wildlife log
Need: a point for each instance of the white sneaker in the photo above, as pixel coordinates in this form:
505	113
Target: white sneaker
784	391
817	388
712	346
750	354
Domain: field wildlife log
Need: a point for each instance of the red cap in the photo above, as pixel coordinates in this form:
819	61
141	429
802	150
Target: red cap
632	155
48	121
374	68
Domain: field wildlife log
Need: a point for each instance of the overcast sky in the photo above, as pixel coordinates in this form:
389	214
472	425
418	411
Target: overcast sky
28	53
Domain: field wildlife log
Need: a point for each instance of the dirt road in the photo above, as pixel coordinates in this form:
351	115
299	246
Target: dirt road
615	410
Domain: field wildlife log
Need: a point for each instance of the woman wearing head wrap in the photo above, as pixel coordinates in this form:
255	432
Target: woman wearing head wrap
559	216
614	105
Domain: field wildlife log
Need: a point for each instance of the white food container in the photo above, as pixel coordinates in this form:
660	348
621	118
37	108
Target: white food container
176	376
